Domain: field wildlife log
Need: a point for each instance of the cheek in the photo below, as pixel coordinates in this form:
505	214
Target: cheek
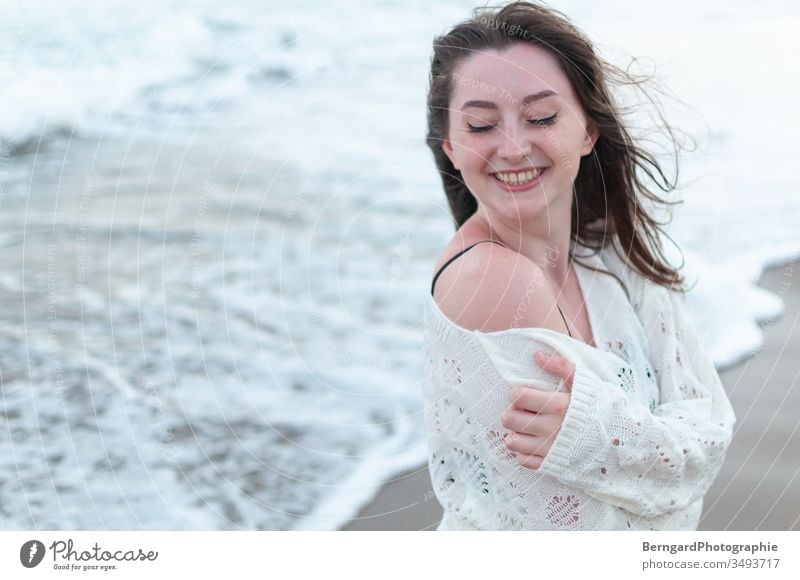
565	150
474	155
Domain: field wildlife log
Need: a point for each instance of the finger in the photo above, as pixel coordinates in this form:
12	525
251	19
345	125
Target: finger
528	444
563	369
518	420
530	423
568	382
539	401
530	461
558	366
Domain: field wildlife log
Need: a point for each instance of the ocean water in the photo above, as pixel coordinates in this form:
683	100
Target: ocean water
220	221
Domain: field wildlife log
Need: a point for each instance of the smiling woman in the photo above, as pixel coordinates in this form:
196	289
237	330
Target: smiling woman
518	143
624	423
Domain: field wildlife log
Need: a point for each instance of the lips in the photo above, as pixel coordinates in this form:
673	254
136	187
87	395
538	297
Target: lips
520	180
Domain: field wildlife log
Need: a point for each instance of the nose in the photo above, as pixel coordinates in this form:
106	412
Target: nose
515	144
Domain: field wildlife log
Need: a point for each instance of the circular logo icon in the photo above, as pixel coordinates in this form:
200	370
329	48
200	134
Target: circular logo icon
31	553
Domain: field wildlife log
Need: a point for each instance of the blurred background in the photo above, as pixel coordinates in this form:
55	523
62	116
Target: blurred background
220	220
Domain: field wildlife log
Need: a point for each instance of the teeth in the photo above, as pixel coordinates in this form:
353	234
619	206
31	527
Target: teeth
518	178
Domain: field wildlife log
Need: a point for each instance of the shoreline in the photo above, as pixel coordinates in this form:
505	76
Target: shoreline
758	487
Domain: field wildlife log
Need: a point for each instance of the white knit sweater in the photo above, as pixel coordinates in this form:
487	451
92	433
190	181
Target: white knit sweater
644	436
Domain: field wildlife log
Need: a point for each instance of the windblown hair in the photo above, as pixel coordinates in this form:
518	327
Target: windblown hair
611	179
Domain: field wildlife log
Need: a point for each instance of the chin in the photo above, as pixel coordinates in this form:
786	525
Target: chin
520	212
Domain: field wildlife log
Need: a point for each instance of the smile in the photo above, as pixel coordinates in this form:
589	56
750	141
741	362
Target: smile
519	180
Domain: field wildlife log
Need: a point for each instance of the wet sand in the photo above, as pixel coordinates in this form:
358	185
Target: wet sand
758	487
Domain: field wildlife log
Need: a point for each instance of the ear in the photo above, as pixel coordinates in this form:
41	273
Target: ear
447	147
591	138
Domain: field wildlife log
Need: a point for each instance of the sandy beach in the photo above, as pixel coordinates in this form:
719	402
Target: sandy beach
759	485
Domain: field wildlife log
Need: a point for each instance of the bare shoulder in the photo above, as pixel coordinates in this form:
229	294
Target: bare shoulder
492	287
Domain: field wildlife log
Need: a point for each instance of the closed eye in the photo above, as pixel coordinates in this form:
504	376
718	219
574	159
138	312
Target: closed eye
535	122
546	121
483	129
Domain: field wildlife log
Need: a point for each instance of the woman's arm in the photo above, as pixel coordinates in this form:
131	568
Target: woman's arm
648	463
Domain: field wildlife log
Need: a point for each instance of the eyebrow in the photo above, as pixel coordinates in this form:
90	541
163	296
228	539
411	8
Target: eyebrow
527	100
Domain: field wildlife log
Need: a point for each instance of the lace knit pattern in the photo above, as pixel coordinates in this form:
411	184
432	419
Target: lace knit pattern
643	439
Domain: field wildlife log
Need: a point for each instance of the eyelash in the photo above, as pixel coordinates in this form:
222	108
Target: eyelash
535	122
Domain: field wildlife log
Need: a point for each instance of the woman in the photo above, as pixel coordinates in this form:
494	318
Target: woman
625	425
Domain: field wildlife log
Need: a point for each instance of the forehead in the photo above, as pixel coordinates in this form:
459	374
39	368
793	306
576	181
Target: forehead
508	74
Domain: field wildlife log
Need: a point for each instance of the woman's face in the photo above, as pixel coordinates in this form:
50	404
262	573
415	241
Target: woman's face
516	131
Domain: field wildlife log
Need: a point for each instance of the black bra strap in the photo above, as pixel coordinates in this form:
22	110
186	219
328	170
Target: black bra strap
448	262
465	250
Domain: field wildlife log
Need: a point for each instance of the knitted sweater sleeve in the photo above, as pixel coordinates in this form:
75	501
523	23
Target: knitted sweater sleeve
648	460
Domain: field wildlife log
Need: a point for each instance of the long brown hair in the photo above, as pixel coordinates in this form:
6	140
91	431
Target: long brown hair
609	180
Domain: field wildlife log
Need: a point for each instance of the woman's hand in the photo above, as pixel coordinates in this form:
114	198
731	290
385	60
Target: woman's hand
535	416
